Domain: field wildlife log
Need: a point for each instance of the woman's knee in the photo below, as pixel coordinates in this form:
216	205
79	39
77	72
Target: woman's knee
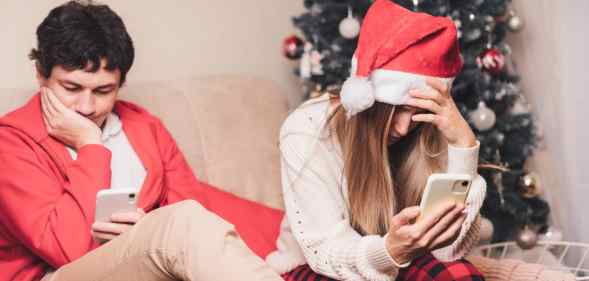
460	270
429	268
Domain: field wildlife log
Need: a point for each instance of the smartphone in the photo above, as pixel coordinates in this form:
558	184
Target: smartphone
110	201
443	188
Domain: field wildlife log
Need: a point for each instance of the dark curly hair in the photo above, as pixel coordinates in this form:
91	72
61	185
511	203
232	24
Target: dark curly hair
78	35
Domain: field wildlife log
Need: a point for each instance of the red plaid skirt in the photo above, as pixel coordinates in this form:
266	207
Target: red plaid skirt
425	268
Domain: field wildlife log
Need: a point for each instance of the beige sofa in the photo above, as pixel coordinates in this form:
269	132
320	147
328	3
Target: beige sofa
227	127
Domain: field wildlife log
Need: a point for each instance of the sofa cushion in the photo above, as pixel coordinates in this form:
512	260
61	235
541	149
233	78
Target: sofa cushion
256	224
239	119
226	126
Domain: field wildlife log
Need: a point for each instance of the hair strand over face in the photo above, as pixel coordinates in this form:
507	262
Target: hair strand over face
383	179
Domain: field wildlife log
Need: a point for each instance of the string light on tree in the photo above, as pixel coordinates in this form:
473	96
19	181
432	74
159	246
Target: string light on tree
472	34
458	25
514	22
310	63
416	5
553	234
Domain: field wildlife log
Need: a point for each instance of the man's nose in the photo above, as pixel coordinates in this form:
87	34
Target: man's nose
86	105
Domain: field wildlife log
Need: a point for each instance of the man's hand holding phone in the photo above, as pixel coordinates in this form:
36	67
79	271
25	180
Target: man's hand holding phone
119	223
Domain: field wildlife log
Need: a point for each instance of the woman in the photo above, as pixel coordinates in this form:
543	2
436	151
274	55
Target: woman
354	166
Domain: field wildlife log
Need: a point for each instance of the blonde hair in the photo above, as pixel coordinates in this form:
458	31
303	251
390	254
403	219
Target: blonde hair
379	187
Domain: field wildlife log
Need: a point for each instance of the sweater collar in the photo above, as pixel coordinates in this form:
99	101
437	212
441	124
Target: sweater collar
112	127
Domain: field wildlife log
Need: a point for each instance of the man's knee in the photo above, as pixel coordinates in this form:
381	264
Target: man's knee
186	207
181	211
188	215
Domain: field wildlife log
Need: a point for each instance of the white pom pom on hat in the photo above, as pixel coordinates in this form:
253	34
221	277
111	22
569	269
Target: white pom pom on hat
426	46
356	95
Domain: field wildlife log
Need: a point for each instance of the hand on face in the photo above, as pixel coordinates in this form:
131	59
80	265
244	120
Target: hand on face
119	224
442	112
65	124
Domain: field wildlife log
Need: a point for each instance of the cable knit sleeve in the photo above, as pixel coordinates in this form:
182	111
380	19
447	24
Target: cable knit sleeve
315	208
465	161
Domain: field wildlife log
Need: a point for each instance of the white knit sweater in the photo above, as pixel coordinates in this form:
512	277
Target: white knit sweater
316	229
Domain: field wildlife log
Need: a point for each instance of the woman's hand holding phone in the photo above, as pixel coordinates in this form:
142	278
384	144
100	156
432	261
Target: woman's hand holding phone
407	240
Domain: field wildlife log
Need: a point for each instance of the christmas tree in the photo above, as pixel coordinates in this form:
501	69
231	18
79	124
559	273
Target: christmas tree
486	92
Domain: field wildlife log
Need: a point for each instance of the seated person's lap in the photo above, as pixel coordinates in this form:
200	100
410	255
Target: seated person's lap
426	268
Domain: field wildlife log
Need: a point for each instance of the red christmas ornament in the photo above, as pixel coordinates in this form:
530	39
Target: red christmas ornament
293	47
492	60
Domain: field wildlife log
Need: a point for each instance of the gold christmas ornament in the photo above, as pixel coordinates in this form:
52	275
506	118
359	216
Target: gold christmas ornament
529	186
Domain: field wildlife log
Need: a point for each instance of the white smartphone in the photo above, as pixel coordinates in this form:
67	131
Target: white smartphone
443	188
110	201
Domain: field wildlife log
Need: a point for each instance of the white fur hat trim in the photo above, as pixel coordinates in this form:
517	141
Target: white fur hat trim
386	86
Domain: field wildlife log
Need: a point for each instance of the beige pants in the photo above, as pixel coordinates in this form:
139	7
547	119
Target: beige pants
183	241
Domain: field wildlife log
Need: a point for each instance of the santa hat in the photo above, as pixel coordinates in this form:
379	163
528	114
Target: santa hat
396	51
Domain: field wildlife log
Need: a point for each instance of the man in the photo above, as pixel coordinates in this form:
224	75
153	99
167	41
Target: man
74	139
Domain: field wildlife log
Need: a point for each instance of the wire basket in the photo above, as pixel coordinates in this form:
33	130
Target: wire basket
555	255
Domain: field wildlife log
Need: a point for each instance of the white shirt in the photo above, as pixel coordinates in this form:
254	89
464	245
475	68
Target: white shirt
126	167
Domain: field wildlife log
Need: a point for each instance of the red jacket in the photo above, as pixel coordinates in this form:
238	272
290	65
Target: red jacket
48	200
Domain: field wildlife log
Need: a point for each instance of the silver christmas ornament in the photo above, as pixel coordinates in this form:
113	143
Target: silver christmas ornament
349	27
526	238
483	118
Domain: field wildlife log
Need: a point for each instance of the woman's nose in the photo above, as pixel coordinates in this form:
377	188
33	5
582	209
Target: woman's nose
402	129
402	125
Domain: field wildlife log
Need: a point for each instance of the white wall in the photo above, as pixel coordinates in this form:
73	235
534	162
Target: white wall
176	38
552	55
